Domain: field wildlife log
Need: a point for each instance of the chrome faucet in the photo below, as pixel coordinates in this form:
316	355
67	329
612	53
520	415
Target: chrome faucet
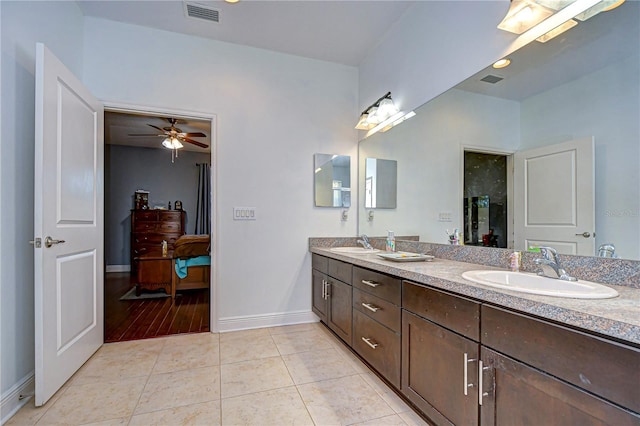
550	265
364	241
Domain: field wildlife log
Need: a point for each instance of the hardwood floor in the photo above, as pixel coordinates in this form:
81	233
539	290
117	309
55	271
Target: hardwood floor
148	318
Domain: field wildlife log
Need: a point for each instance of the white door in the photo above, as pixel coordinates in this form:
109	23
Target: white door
554	197
68	205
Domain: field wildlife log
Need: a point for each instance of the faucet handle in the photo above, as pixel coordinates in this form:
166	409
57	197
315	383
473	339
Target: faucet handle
549	253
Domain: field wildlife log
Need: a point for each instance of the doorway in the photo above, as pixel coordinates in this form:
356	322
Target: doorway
153	204
485	199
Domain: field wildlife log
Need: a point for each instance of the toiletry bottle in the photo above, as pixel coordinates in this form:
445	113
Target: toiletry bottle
391	241
514	261
164	248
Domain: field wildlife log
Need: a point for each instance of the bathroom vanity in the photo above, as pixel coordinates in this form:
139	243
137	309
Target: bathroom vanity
465	354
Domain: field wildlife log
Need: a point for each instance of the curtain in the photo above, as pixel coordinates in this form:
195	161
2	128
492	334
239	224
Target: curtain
203	204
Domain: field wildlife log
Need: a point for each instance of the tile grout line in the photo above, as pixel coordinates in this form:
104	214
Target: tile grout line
164	343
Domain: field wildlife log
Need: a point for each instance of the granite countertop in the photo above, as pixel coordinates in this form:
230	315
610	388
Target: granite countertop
617	317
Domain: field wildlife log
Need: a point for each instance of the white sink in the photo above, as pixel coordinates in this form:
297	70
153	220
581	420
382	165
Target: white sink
354	250
535	284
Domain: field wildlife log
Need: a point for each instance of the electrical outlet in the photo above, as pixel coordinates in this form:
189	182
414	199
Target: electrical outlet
244	213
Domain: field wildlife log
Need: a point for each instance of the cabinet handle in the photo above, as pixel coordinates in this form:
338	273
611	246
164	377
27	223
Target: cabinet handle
467	385
481	393
370	283
370	307
367	340
324	289
328	291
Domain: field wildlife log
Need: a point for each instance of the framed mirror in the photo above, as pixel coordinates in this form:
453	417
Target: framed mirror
332	180
380	183
583	84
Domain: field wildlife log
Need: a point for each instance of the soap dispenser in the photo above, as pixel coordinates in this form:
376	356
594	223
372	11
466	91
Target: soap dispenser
391	241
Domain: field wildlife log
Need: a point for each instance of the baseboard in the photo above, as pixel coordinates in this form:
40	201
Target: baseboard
266	320
118	268
10	401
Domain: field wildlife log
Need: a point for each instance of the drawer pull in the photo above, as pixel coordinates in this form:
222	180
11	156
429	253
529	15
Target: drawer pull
370	307
324	290
481	393
467	385
370	283
368	341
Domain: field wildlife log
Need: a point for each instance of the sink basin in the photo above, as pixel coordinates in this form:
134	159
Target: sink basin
353	250
535	284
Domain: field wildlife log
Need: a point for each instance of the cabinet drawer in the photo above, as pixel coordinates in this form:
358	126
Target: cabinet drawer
383	348
381	285
154	238
379	309
608	369
169	227
146	250
340	270
145	215
145	226
453	312
170	216
319	263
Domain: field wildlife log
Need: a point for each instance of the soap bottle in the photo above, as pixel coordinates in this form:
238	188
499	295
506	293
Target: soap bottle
164	248
514	261
391	241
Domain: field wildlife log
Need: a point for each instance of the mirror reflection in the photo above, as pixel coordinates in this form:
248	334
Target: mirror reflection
380	183
581	88
332	180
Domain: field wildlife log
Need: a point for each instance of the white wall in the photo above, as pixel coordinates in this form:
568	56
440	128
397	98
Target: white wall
609	105
428	148
434	46
274	111
59	25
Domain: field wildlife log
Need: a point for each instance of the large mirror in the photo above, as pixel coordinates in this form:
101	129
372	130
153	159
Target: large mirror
583	84
332	180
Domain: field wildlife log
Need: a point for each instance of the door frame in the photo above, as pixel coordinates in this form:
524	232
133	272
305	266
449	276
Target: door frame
113	106
510	161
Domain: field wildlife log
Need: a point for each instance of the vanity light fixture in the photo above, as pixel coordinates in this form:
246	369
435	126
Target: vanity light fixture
524	15
377	113
502	63
390	122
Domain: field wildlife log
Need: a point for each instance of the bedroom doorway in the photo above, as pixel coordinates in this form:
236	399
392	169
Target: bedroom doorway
157	215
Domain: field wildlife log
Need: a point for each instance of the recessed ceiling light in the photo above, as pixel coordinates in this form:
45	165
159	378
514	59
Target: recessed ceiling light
231	1
502	63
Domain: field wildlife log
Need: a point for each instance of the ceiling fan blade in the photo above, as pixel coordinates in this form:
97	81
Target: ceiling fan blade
196	143
195	135
146	134
156	127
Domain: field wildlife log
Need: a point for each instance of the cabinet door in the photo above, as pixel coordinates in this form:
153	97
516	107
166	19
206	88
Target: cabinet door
516	394
340	311
319	300
434	363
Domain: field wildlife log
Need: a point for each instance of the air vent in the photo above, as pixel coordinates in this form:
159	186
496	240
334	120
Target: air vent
200	11
493	79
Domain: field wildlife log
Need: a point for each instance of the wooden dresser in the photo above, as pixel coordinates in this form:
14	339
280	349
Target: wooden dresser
150	227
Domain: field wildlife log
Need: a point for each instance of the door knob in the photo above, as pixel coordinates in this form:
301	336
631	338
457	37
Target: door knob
48	242
584	234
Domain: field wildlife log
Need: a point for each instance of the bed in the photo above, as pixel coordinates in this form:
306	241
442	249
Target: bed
191	263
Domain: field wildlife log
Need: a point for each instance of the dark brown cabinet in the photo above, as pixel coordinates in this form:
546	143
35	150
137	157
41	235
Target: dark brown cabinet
150	227
439	366
331	296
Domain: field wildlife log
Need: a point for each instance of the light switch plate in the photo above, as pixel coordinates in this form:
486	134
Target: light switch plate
244	213
444	217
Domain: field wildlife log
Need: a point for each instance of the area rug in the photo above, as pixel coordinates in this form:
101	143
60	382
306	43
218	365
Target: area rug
131	295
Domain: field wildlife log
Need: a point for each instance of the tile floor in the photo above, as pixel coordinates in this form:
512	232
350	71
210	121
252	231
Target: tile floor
298	375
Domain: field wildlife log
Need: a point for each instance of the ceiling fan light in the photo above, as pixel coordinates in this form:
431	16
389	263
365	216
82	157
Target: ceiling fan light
167	143
176	144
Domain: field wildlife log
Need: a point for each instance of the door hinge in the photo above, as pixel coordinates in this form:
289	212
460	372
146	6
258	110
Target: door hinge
37	243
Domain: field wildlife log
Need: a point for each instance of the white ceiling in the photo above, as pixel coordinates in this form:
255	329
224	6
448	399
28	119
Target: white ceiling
335	31
119	128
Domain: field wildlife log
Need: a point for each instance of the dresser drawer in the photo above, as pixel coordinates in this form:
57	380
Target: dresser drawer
605	368
340	270
453	312
378	345
168	227
319	263
170	216
155	238
379	309
145	215
380	285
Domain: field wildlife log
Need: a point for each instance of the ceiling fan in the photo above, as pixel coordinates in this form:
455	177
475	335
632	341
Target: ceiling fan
175	136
